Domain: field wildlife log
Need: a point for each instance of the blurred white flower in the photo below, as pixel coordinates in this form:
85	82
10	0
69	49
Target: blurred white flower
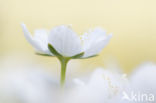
143	81
67	42
103	87
27	86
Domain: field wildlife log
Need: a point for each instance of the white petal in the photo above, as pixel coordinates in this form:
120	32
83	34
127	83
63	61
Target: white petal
39	41
65	41
94	42
41	37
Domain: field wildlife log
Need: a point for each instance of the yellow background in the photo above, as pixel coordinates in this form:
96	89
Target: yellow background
132	22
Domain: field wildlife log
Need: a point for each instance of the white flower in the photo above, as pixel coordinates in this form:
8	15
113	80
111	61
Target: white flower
103	87
66	42
28	86
143	79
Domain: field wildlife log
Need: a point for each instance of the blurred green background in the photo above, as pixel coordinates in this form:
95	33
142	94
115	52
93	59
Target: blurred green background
132	22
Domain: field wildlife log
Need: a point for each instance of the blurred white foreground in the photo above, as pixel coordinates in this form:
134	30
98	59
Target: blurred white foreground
29	85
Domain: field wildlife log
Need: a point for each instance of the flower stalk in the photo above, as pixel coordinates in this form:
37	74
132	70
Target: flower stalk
64	62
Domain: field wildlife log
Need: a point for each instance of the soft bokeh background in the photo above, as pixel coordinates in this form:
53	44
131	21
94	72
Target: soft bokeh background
132	22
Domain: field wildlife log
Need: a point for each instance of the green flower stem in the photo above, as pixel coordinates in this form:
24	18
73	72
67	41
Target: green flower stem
63	62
